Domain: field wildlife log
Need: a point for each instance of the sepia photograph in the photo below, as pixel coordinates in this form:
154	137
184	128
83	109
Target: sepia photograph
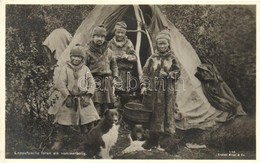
130	81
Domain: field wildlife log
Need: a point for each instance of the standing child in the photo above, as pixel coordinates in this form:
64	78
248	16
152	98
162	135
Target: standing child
123	51
103	67
160	73
76	85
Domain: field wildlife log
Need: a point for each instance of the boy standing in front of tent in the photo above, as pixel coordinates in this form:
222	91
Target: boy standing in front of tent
123	51
103	66
77	86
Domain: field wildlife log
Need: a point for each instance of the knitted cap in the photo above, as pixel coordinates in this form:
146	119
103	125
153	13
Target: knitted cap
77	50
120	25
164	34
100	30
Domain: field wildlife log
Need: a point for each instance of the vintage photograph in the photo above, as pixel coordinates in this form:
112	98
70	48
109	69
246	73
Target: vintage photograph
130	81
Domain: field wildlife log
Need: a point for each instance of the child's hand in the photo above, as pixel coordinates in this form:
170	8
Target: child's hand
124	55
174	74
85	100
115	80
131	57
144	91
163	74
132	51
69	101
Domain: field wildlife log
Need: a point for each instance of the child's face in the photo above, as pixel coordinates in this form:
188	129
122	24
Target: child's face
162	45
120	34
76	60
98	39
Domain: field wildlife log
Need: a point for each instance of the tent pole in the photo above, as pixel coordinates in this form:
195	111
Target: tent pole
138	41
129	30
147	33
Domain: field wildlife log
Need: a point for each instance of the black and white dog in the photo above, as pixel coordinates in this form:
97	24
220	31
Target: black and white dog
104	135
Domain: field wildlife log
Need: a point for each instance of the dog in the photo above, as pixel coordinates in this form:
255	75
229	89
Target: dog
140	139
139	133
137	137
104	135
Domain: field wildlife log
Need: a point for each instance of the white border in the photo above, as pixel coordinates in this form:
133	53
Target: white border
70	2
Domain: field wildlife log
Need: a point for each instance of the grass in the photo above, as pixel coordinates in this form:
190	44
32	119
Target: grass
215	149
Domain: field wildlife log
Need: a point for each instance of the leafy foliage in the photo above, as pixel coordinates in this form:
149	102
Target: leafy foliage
28	81
28	87
225	34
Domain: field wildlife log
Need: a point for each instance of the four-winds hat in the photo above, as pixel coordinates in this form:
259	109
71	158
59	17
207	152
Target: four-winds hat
100	30
164	34
121	25
77	50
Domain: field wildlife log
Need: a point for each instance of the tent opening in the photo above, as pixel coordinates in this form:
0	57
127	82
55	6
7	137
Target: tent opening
128	15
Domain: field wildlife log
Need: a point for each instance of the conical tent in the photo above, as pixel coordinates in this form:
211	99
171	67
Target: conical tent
192	103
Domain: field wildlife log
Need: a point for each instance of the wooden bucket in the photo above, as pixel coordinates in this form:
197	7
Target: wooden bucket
136	113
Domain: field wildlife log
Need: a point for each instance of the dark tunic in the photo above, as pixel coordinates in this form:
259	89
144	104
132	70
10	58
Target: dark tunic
103	67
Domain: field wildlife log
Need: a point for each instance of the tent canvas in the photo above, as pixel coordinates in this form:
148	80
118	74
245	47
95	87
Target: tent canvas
58	41
196	110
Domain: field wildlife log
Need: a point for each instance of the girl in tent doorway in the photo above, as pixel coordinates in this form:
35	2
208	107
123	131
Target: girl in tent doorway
160	73
104	69
123	51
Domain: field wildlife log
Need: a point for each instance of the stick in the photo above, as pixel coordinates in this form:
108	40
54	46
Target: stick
138	42
147	33
40	146
130	30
